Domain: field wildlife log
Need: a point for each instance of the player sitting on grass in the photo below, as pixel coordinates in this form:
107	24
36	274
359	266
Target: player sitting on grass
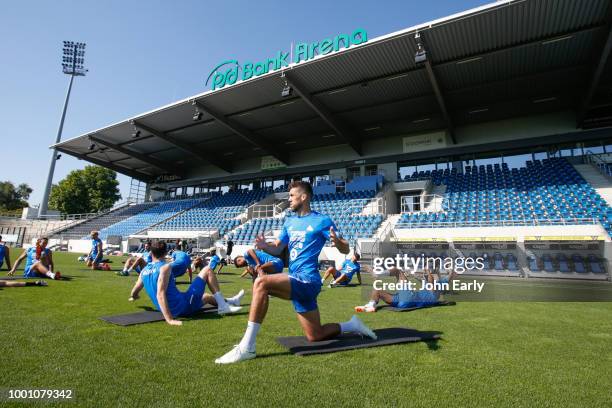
305	233
258	263
39	262
95	255
5	284
405	299
157	279
5	254
137	262
343	276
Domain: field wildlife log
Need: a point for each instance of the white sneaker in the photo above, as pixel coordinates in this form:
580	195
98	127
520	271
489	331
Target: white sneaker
362	329
228	309
235	300
365	308
235	355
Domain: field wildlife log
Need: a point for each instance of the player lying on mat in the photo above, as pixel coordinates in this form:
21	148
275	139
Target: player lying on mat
137	262
344	276
5	253
405	299
258	263
5	284
158	281
39	262
305	233
94	258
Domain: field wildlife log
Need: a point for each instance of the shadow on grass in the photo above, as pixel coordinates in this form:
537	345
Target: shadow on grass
277	354
200	315
433	345
187	283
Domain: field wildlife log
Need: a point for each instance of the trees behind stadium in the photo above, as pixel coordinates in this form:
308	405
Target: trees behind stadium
13	198
91	189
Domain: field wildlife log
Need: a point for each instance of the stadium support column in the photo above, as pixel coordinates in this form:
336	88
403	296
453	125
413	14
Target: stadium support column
521	258
44	204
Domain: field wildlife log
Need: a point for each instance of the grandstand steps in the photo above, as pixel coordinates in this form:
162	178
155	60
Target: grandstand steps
435	202
81	229
597	180
386	228
58	232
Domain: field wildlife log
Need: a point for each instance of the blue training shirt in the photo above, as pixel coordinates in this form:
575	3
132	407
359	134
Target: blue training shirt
305	237
2	252
180	263
94	245
150	277
180	257
31	260
350	268
264	257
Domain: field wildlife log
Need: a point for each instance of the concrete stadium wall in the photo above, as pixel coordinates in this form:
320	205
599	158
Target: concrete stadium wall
520	232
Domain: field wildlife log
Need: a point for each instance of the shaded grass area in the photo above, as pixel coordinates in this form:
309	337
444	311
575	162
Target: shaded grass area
491	353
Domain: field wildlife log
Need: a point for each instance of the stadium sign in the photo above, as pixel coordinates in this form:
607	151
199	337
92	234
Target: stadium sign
228	72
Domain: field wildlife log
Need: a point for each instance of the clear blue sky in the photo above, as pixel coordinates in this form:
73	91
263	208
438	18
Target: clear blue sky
142	55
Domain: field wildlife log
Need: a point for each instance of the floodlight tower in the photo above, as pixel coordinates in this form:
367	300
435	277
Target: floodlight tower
73	62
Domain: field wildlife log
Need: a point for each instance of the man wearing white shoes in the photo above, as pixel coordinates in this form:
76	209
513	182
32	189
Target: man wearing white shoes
159	282
305	233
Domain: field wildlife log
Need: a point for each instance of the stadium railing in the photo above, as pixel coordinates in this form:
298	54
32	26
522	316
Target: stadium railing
497	223
596	160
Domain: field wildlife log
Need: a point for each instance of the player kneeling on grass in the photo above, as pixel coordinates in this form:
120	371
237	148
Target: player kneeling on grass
405	299
94	258
305	234
258	263
344	276
157	279
39	262
137	262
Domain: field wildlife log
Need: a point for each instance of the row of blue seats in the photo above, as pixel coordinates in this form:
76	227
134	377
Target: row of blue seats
547	190
575	263
560	263
148	217
218	213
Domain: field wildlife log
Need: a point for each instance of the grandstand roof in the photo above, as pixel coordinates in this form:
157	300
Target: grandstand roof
498	61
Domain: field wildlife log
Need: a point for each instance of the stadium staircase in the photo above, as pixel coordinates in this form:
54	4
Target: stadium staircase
436	199
82	229
601	183
156	213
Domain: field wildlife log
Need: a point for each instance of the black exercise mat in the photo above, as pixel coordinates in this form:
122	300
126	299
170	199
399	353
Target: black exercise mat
394	335
410	309
350	285
146	316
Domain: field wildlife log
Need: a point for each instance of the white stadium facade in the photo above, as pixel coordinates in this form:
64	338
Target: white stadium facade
484	132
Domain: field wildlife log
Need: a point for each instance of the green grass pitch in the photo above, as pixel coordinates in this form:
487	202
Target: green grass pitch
491	354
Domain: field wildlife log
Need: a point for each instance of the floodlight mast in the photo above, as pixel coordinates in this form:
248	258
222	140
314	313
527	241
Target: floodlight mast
73	62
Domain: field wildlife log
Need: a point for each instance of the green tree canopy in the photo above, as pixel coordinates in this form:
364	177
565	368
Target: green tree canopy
92	189
13	198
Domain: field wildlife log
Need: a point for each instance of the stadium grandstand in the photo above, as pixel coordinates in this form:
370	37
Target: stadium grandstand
470	134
